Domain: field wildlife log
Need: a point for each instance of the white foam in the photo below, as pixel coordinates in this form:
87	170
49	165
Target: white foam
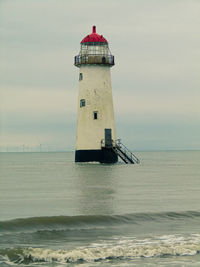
124	248
102	253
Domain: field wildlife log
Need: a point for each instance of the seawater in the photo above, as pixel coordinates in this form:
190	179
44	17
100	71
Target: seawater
54	212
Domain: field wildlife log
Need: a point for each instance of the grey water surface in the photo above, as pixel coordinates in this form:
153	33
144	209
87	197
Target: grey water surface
54	212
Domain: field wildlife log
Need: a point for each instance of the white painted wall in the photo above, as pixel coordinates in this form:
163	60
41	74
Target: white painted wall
96	89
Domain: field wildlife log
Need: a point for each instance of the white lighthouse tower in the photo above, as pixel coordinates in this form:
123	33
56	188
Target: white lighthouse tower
95	126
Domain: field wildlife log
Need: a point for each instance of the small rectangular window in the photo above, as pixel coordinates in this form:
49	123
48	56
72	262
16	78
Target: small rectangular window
82	103
95	115
80	76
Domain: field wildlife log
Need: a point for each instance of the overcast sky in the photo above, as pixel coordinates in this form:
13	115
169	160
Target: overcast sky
156	79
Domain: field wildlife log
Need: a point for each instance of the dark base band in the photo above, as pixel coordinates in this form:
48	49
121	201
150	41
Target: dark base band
105	155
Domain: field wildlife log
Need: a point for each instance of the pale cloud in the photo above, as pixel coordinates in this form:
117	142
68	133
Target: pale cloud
38	101
157	103
155	79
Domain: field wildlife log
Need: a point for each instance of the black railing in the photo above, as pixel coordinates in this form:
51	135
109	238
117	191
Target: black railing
94	59
107	144
125	150
118	146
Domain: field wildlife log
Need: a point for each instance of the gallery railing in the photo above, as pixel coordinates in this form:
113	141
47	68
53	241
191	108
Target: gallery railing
94	59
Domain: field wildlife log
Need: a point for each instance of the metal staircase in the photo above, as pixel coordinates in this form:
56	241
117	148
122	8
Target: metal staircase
122	151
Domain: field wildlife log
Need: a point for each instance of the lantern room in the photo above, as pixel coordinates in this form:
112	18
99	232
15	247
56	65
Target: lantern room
94	50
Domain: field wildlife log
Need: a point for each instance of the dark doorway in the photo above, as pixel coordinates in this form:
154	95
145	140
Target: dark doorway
108	137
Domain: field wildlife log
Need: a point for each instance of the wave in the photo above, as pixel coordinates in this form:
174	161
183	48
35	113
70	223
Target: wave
84	222
122	250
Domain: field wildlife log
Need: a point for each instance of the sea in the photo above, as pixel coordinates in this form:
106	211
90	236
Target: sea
55	212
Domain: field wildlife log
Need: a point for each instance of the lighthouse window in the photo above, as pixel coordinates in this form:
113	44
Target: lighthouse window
95	114
80	76
82	103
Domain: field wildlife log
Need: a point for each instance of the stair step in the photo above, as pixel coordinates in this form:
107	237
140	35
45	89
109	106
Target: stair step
123	152
123	155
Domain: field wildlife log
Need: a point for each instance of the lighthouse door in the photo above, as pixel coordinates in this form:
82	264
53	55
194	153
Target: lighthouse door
108	137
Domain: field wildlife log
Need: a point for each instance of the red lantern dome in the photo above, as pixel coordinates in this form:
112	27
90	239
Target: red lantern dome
94	38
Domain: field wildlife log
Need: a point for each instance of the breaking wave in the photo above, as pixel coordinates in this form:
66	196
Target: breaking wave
116	247
82	222
120	250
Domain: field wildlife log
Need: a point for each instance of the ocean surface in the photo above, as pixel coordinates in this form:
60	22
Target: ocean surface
54	212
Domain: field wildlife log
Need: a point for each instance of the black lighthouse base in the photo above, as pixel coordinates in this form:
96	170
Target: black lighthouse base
104	155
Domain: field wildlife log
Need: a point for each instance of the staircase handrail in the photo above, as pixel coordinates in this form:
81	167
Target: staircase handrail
125	150
117	143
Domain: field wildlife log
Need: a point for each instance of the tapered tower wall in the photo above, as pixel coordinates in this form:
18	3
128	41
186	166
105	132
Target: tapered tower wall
95	89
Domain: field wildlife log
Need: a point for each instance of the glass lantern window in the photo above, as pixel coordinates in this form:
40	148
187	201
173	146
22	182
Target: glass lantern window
94	50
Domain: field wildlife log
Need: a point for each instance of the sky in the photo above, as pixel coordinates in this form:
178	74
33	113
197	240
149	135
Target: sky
155	81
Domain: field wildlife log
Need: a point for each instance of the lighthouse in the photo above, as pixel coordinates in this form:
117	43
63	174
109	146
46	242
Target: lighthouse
95	135
95	124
